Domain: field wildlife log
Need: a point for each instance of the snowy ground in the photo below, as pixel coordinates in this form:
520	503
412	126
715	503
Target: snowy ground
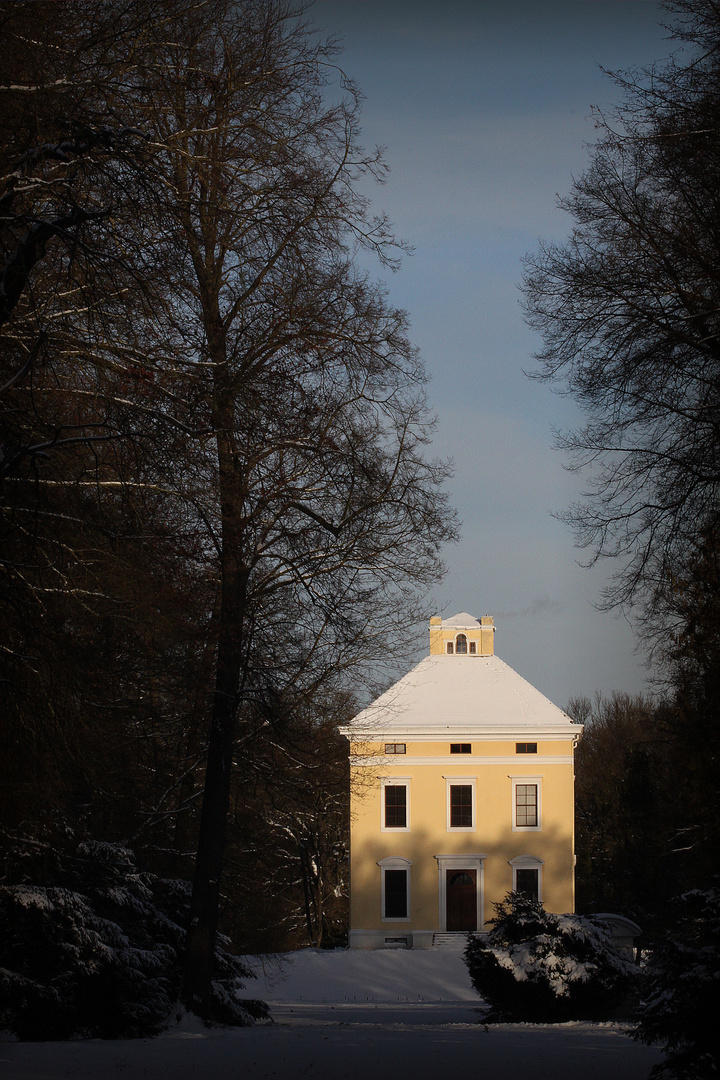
350	1016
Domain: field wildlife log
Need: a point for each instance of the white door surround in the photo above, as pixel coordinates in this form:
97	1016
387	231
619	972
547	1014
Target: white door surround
460	862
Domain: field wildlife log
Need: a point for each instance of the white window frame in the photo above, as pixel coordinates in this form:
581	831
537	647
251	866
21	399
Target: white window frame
461	862
395	862
394	781
527	862
461	781
537	780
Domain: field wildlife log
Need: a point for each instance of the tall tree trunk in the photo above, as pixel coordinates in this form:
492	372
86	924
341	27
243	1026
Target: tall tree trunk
308	901
195	735
205	901
319	915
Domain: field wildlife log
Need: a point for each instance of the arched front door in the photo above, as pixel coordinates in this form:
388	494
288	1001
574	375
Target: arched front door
461	896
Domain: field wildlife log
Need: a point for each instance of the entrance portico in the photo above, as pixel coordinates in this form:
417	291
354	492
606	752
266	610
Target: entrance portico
461	892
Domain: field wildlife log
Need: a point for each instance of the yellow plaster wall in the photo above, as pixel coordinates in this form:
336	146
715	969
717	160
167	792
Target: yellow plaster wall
483	635
428	835
480	748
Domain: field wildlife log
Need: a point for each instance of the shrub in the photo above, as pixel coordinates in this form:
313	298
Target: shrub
545	968
92	947
680	989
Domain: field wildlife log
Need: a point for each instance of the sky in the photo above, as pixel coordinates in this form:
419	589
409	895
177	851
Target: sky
485	110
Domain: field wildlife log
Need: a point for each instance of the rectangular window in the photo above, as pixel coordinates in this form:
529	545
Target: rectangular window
395	806
460	748
394	747
449	646
461	806
526	806
526	803
526	748
527	882
396	905
472	647
460	801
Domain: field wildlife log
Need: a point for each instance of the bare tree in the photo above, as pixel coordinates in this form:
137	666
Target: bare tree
286	879
256	391
78	592
628	308
623	815
300	376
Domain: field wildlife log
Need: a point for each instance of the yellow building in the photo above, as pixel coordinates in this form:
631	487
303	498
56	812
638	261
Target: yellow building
461	790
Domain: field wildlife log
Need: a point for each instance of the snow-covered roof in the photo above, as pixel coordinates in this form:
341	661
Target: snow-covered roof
466	695
462	620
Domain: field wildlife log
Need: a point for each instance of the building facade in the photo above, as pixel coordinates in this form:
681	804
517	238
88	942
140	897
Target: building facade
461	790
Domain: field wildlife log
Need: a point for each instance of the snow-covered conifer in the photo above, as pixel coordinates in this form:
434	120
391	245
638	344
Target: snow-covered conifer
91	946
541	967
680	990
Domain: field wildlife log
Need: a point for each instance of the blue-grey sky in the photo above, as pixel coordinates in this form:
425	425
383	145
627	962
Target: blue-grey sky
484	107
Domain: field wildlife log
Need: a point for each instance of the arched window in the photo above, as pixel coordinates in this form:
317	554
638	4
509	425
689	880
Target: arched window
527	876
461	644
395	889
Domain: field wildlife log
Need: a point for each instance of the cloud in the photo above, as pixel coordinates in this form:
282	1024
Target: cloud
540	605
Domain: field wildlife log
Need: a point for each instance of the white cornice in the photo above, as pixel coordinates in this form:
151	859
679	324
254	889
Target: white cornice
466	761
471	733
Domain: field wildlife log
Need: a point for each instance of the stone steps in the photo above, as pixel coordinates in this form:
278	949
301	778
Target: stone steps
451	939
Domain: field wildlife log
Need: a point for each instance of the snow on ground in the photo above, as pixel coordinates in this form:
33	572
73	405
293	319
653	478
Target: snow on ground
383	975
345	1015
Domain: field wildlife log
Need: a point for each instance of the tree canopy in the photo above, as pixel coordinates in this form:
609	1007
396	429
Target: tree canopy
628	308
215	424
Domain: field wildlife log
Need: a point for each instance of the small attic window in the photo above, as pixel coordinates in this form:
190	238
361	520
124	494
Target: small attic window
461	644
526	748
450	646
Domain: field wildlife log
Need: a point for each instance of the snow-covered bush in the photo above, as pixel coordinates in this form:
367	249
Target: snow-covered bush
680	990
540	967
91	946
